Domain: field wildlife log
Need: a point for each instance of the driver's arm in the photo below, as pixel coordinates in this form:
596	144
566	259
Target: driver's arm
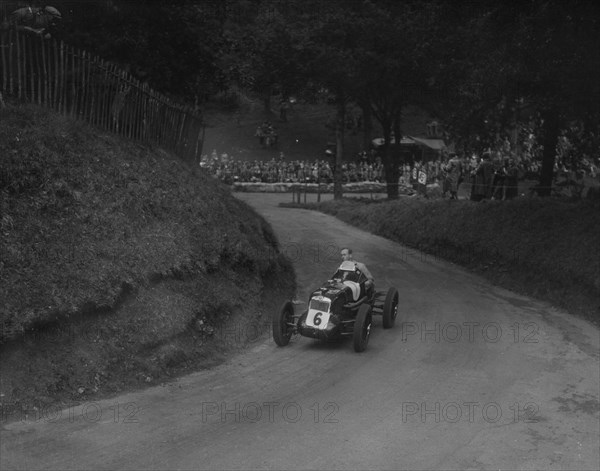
362	267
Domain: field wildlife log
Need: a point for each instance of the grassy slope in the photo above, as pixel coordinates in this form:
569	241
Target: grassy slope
118	261
545	248
304	135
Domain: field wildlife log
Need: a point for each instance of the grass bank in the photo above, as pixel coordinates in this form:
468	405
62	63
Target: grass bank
119	263
545	248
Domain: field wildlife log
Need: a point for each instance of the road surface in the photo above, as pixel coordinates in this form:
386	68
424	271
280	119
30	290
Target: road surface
471	377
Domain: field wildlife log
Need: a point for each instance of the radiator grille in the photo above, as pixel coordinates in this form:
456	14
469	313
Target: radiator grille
319	305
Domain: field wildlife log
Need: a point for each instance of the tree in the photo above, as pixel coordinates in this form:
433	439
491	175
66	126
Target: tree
393	55
542	56
263	54
329	36
172	45
559	70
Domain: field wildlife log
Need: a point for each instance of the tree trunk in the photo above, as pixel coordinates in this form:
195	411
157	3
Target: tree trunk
367	126
391	170
267	101
551	129
391	176
394	160
339	142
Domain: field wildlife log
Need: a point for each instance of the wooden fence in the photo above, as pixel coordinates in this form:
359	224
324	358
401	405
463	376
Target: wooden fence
75	83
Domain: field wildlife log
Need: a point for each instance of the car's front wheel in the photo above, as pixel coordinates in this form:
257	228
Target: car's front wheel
390	308
283	324
362	328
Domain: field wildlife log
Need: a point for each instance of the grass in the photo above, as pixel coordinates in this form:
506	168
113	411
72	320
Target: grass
115	259
304	136
546	248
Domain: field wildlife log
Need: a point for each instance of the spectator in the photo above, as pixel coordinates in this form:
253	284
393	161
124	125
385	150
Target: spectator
453	175
486	172
422	180
270	135
497	189
477	191
414	175
33	20
260	133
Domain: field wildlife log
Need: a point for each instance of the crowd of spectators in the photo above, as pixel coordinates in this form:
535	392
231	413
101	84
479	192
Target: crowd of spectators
487	176
230	170
496	177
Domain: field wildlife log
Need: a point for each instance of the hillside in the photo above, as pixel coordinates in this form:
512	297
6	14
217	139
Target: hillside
303	136
120	264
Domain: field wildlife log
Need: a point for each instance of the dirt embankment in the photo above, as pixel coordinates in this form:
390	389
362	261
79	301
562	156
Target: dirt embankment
121	266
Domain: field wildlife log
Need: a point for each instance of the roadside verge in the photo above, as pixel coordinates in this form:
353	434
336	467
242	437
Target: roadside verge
544	248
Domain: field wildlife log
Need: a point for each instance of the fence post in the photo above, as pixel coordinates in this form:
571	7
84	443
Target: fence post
28	58
61	78
19	85
319	189
72	105
4	47
45	87
72	81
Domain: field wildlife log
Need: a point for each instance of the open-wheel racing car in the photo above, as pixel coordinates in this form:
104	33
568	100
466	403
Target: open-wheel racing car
342	306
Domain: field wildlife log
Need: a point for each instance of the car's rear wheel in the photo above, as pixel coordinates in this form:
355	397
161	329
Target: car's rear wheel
282	320
362	328
390	308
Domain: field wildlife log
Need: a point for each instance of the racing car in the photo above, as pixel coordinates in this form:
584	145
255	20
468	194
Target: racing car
343	306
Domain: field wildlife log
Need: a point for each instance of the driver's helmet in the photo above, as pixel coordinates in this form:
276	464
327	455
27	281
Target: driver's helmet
348	272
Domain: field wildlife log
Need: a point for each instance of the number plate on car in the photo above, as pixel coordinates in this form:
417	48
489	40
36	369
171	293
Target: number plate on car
318	312
317	319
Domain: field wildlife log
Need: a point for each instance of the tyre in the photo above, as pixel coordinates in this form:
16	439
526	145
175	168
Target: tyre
390	308
282	320
362	328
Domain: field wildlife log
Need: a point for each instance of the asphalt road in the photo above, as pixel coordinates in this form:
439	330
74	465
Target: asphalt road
471	377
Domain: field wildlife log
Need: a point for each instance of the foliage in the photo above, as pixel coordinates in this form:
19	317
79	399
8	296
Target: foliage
262	54
486	69
512	65
173	45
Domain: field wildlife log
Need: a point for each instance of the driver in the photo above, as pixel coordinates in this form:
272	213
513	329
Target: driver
347	257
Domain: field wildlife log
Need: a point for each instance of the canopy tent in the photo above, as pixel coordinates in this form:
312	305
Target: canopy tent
435	144
416	148
378	142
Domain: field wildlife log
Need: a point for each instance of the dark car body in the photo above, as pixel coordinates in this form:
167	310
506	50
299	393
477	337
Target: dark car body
331	310
342	306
